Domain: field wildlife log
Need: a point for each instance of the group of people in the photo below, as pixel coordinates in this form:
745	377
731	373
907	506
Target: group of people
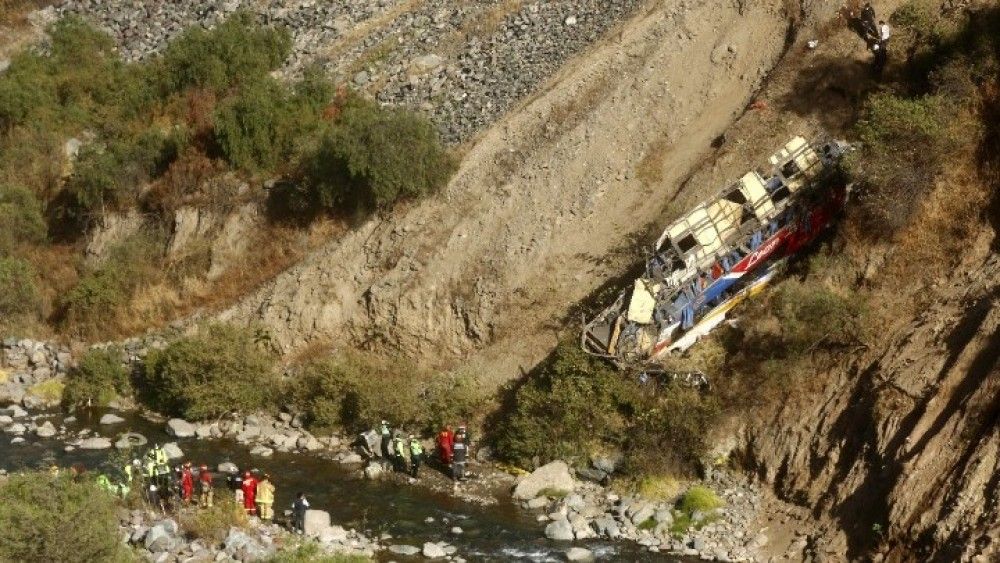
876	34
164	486
407	454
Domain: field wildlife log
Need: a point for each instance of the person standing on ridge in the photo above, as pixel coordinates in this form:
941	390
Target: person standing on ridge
187	483
299	508
445	440
249	493
399	454
265	497
416	456
458	458
386	438
205	486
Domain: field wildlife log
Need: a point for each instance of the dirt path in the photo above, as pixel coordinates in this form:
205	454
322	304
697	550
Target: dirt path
542	199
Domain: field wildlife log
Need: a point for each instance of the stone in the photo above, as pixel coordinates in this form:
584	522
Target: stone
433	551
570	20
333	534
579	554
538	502
237	540
160	537
581	527
352	459
606	463
552	476
172	450
426	63
46	430
664	516
5	420
644	513
180	428
559	530
262	451
607	527
361	78
4	65
315	522
111	418
95	443
71	148
404	549
591	474
456	530
309	443
227	467
374	470
203	431
575	502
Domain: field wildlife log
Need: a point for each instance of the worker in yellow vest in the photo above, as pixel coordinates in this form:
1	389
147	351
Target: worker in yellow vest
265	498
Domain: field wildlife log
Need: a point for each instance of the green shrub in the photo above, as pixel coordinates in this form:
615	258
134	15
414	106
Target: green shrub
374	156
353	391
700	499
56	519
572	403
99	377
213	524
219	370
669	430
21	220
263	126
236	52
20	295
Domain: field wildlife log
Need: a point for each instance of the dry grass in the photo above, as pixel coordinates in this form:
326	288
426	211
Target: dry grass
649	171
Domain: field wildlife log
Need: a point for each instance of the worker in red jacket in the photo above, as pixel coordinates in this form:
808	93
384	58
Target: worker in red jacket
445	441
249	493
187	482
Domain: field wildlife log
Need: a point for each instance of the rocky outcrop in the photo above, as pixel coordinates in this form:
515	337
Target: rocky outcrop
552	477
900	448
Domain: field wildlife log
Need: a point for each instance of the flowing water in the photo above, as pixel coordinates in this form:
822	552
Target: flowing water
499	532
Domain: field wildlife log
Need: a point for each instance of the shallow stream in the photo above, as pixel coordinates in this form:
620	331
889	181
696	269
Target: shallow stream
499	532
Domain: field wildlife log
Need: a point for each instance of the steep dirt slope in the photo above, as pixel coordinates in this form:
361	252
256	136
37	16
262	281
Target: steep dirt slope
542	199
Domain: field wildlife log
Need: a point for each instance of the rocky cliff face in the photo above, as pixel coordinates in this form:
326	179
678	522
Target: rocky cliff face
899	450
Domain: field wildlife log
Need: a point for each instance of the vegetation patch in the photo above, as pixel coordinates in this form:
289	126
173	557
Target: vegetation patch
97	380
47	518
213	524
220	369
311	552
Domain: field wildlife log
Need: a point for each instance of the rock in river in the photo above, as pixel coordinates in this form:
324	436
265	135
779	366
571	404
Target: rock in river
95	443
553	476
111	418
180	428
560	530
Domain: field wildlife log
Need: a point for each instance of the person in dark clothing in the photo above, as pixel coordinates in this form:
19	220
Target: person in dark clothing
386	438
458	458
299	508
416	456
868	22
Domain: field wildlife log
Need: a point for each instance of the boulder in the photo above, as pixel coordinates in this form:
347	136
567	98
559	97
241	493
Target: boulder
559	530
591	474
227	467
262	451
456	530
352	459
15	411
374	470
95	443
315	522
538	502
606	463
433	551
309	443
160	537
579	554
643	513
5	420
404	549
172	450
553	476
581	527
180	428
333	534
111	418
606	526
46	430
203	431
237	540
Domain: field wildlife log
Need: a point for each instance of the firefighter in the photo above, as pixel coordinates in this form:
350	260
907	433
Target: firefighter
445	440
460	450
399	454
416	456
249	493
187	482
205	486
265	497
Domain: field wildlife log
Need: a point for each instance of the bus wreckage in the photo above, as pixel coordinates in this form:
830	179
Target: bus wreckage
721	252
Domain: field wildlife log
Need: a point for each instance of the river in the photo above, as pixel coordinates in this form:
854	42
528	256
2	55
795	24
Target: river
499	532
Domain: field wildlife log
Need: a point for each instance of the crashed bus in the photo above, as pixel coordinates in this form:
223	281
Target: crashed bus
721	252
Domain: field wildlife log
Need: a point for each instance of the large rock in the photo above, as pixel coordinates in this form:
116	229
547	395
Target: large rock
552	477
333	534
374	470
227	467
180	428
316	521
172	450
404	549
559	530
46	430
160	537
579	554
95	443
111	418
237	540
434	551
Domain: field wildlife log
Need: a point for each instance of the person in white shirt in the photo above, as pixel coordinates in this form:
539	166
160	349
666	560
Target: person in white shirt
884	32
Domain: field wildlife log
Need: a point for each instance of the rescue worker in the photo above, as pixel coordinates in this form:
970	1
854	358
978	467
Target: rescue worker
54	470
399	454
235	481
416	456
459	453
187	483
105	483
162	469
249	493
299	508
868	21
205	486
265	498
150	469
445	440
386	438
